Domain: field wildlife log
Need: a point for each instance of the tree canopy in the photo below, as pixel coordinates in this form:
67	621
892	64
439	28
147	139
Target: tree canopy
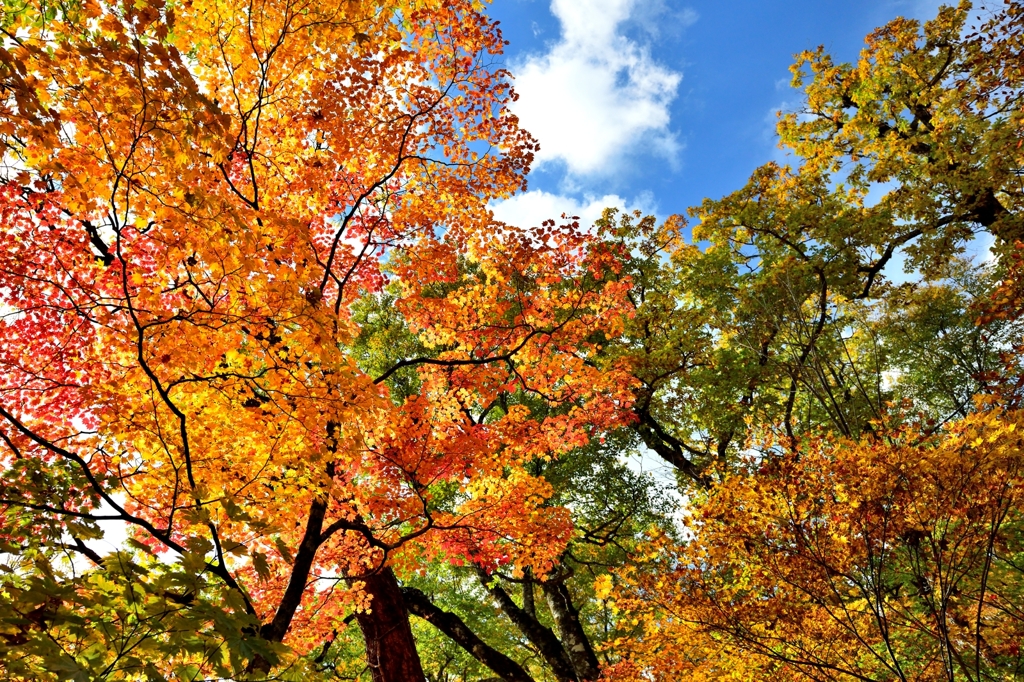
260	326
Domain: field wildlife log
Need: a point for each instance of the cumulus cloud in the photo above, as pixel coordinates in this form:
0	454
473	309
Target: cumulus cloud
532	208
596	95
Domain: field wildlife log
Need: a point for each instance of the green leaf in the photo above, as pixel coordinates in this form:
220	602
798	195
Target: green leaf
283	549
259	562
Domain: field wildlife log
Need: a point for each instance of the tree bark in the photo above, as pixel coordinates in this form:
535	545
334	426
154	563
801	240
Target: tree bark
986	208
528	599
575	640
539	634
276	629
390	649
453	626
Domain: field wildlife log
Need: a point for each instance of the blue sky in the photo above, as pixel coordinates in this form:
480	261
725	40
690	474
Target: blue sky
656	104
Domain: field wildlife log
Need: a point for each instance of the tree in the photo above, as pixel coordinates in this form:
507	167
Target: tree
893	558
488	621
209	209
853	511
767	316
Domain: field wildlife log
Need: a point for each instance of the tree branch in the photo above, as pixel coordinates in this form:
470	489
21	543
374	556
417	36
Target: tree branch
451	625
539	635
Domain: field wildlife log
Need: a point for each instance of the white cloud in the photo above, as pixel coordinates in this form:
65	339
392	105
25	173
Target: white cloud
659	19
532	208
596	95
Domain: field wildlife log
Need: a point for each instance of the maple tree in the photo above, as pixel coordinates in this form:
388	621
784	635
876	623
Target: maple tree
256	310
474	622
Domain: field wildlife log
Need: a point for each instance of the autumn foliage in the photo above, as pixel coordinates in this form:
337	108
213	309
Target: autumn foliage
260	329
891	558
212	205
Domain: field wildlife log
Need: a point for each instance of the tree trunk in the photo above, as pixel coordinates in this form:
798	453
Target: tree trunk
528	601
575	640
390	649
